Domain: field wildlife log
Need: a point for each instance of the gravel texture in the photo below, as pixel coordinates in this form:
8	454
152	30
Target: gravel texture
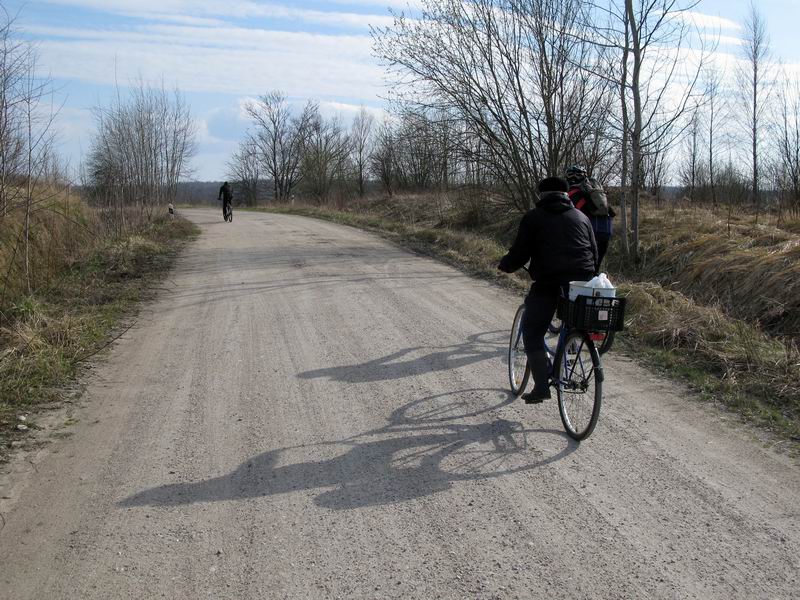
308	411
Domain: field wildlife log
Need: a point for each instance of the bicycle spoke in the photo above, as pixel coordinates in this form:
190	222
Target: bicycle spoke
578	390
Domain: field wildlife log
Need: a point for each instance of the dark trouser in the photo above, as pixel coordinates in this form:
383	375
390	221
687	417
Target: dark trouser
226	207
602	240
540	306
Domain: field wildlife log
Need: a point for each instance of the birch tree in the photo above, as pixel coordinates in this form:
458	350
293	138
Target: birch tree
754	82
361	138
657	80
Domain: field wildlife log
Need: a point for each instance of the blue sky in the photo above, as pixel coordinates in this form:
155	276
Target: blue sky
222	52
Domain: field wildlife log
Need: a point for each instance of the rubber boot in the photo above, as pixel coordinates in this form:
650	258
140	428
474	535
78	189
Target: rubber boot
540	369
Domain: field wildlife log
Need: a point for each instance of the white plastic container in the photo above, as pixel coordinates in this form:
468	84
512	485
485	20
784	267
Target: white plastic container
582	288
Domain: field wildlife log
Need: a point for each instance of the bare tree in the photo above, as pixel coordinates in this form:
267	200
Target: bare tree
418	154
27	136
280	138
382	159
657	38
655	171
507	70
715	104
788	155
326	148
245	171
141	149
16	62
690	172
753	77
361	137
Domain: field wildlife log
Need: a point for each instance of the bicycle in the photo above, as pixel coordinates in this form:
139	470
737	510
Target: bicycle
227	212
576	371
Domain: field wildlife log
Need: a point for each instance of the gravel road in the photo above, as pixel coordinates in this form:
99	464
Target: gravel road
307	411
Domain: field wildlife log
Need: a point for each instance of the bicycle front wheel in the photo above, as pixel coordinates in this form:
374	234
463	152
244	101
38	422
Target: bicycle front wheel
518	371
579	384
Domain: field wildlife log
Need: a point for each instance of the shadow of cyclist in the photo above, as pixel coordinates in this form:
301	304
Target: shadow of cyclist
417	360
424	449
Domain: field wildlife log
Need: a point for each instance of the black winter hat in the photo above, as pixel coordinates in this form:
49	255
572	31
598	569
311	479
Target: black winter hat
553	184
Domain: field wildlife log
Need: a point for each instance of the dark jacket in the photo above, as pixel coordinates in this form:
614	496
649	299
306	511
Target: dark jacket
225	193
558	240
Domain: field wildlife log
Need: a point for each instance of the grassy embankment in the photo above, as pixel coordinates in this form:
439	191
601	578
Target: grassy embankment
87	269
717	306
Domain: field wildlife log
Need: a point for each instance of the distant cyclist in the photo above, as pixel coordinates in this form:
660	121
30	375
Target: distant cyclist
558	240
226	195
588	197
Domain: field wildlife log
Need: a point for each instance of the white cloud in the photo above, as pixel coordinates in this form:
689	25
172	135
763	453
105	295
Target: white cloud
704	21
398	4
347	111
231	37
722	40
285	61
170	18
173	9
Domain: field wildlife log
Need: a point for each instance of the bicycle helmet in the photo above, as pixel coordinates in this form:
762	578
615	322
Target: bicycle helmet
575	174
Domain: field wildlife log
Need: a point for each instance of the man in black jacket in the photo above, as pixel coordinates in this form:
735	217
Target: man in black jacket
558	240
226	195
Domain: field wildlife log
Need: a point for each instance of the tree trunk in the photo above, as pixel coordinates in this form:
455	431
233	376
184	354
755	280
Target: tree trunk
636	138
623	203
755	139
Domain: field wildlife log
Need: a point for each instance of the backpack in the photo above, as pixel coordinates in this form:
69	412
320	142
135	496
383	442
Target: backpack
595	197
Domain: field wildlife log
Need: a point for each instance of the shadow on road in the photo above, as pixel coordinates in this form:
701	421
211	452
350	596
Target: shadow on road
425	448
403	363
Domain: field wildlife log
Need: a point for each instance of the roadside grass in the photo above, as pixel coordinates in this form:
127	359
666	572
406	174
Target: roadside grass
751	272
684	312
85	288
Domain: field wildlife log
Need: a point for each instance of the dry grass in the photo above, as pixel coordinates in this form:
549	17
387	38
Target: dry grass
727	359
85	278
752	273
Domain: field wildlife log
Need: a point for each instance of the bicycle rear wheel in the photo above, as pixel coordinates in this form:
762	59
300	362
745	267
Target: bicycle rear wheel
518	371
579	384
605	345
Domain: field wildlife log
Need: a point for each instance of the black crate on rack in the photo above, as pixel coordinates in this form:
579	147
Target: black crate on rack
593	314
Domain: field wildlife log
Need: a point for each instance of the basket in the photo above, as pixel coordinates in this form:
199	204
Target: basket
593	314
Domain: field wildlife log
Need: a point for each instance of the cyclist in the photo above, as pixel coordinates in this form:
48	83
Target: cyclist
558	240
599	216
226	195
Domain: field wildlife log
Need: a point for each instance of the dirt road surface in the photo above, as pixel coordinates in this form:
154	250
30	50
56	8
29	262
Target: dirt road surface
308	411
